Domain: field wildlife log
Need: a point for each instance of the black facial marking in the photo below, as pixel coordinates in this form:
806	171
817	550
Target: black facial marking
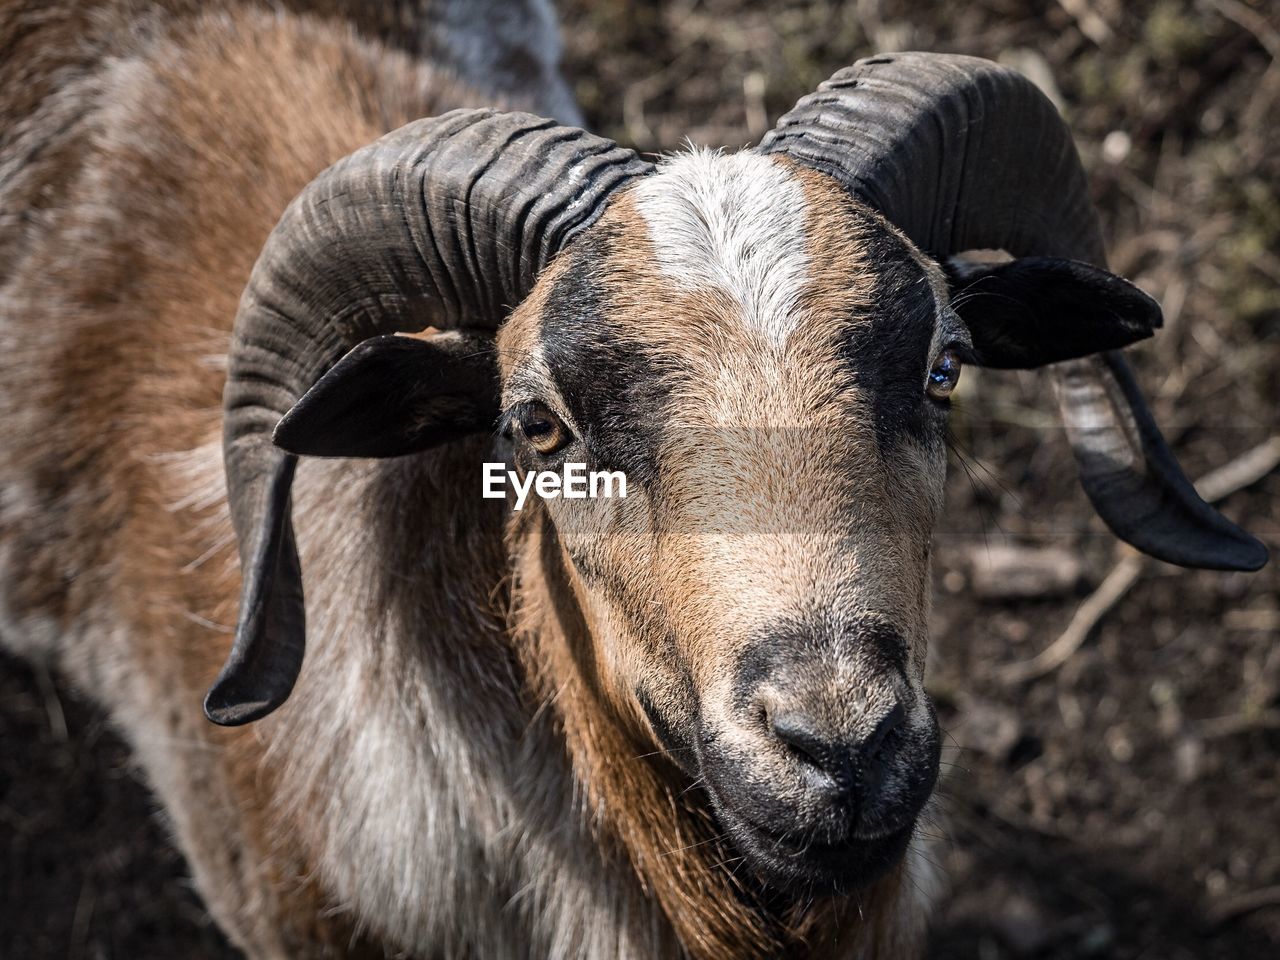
888	357
612	389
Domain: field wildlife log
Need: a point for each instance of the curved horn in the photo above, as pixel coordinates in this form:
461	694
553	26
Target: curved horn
445	222
962	154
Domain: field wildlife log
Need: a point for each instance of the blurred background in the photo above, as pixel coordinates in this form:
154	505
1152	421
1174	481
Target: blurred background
1113	769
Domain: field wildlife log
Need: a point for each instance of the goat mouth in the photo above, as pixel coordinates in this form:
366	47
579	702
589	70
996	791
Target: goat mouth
805	865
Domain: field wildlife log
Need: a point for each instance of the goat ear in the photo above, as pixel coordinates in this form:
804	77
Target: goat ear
396	395
1040	310
389	396
1037	311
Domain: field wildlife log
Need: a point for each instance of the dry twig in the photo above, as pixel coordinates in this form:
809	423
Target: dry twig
1231	907
52	703
1229	726
1087	616
1245	470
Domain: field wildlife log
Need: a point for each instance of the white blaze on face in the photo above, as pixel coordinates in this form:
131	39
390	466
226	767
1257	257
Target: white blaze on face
734	223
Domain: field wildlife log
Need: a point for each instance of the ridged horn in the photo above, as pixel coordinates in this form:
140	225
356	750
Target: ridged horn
444	222
963	154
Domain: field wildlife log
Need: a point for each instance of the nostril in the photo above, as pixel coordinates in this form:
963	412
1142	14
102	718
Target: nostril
832	760
797	732
888	723
840	761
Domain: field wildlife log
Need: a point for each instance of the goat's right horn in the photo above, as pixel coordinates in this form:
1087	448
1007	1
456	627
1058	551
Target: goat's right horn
963	154
446	222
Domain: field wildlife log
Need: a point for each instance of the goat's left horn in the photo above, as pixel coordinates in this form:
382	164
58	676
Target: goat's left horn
446	222
963	154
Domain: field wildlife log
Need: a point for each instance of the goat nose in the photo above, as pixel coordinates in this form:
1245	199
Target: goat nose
839	760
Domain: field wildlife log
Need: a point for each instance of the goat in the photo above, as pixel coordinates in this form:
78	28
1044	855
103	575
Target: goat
690	722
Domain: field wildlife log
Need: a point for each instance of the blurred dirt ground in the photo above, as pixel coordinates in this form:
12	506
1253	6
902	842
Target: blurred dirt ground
1126	803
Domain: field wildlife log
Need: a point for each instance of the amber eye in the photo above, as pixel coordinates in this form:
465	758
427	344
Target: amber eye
944	375
545	431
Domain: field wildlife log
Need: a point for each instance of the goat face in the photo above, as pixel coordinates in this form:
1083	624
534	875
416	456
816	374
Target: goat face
753	350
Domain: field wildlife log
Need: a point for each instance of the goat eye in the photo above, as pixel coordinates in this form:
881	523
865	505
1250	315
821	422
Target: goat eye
545	431
944	375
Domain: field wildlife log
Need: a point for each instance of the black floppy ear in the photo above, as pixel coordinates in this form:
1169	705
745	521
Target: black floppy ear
1040	310
395	395
389	396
